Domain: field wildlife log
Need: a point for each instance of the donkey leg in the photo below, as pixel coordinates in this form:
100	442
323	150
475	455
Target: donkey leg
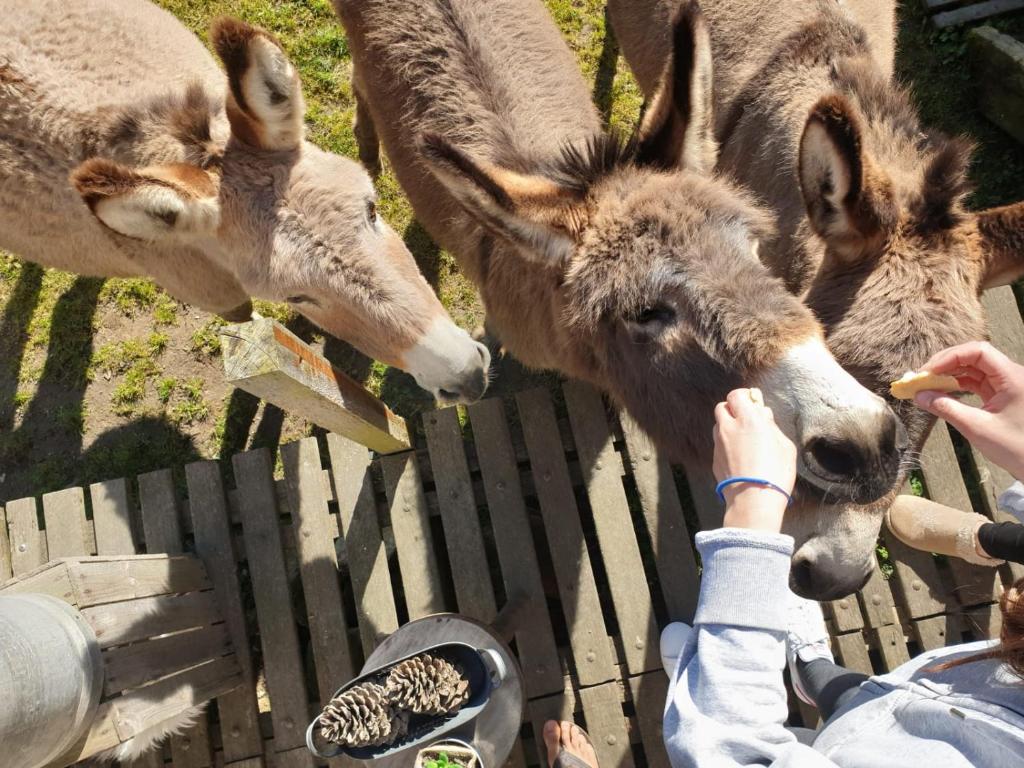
365	131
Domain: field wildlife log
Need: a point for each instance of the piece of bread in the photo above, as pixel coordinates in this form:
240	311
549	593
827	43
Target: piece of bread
921	381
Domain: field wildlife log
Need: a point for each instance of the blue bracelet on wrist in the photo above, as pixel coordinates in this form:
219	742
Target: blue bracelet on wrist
753	481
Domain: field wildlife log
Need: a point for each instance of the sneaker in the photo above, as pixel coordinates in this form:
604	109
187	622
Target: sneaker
673	639
932	527
806	640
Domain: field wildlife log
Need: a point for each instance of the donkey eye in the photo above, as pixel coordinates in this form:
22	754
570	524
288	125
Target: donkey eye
300	299
658	314
371	211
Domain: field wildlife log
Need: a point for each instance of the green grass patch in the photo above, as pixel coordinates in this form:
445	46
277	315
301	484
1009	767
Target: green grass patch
205	340
190	407
130	295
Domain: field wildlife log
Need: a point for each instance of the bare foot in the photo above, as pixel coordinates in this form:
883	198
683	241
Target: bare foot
570	737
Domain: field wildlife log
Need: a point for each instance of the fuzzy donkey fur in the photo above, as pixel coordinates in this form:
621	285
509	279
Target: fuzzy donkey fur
872	229
203	182
629	265
128	751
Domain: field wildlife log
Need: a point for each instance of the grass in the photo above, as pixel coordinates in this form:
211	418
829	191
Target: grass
105	379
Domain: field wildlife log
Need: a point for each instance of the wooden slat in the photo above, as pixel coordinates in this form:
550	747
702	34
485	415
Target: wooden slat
513	539
318	566
569	555
161	525
463	537
367	556
709	507
132	666
64	513
976	12
111	514
120	623
237	708
162	530
49	579
282	656
876	598
28	544
557	707
851	652
938	5
5	548
96	583
892	646
936	632
666	526
649	693
844	614
607	725
421	580
616	537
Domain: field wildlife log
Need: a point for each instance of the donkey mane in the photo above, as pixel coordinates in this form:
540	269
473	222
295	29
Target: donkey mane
579	167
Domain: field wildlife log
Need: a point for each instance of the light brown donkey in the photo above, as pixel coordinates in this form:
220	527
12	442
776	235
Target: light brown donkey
872	229
203	182
627	265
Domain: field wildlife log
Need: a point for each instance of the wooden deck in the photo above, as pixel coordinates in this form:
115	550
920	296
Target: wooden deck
554	500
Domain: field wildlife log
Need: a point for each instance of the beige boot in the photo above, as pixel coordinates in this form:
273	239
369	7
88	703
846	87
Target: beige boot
926	525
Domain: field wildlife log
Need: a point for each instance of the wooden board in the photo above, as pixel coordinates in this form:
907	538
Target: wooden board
131	666
558	707
161	525
463	537
666	525
98	582
121	623
877	601
976	12
410	524
513	539
606	725
892	646
649	693
851	651
5	548
570	557
936	632
208	511
66	526
617	540
111	514
364	547
28	545
318	565
282	655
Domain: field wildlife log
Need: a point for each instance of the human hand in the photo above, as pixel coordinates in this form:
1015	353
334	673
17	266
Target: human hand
997	428
748	443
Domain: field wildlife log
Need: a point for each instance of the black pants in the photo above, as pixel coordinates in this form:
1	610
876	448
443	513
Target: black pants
1003	541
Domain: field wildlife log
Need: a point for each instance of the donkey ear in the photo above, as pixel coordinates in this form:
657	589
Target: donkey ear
849	202
149	203
1001	233
677	130
543	217
265	105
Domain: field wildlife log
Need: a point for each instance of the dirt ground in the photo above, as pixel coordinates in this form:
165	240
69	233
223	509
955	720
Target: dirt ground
109	379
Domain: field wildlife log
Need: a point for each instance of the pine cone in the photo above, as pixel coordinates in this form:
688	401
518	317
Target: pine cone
427	686
362	717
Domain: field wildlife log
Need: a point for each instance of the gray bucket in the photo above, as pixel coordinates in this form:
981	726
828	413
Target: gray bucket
51	676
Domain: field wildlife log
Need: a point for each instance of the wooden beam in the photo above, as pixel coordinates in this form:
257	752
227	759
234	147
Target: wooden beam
976	12
267	360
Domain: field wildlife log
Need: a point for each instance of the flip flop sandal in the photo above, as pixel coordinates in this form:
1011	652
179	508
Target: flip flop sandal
566	759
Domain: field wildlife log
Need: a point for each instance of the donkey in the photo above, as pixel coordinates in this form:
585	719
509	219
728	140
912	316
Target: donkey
202	182
873	233
625	264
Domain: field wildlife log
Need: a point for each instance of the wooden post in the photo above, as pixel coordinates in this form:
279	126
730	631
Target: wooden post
267	360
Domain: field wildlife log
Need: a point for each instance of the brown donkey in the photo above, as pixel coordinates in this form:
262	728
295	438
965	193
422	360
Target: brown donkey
627	265
872	229
202	182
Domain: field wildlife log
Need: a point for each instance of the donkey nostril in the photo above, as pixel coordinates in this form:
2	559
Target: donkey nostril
447	394
481	350
836	457
802	577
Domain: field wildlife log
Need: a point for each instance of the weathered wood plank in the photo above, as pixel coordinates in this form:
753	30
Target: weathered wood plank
588	635
111	514
701	482
318	565
28	544
616	537
851	651
64	513
131	666
239	712
51	579
264	358
938	5
845	614
282	656
120	623
557	707
161	525
360	528
876	598
109	582
606	724
936	632
649	693
410	523
666	525
513	539
976	12
5	548
892	646
463	537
